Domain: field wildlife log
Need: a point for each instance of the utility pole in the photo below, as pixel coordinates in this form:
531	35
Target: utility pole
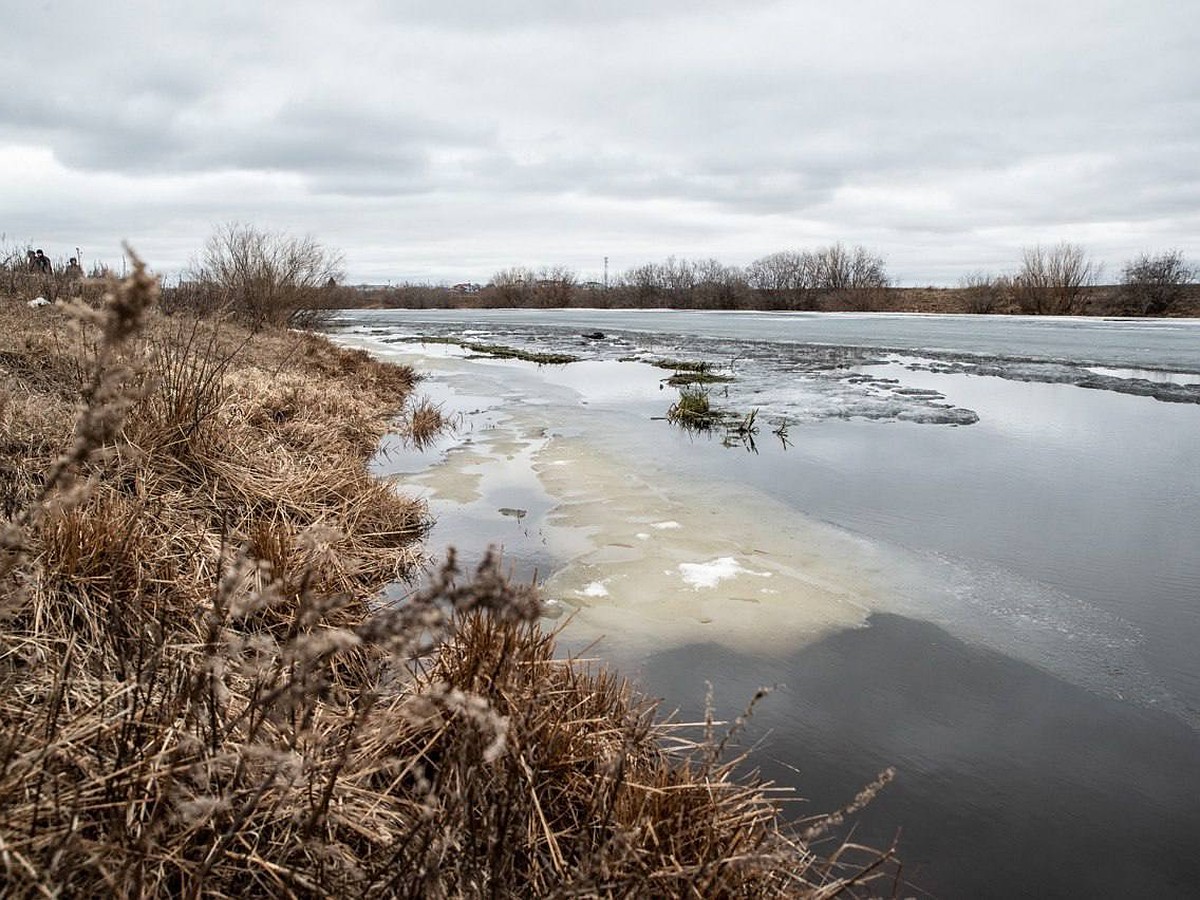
606	273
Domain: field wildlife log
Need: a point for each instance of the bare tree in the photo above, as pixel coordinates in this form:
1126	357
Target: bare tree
644	283
678	279
1053	281
797	278
856	275
669	283
1152	285
512	287
264	278
718	286
788	277
833	268
555	286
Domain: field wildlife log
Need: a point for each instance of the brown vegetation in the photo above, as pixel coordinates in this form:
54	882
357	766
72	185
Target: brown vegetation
1156	285
1057	280
202	696
260	278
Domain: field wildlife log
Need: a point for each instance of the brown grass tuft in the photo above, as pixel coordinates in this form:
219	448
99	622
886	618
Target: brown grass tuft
424	423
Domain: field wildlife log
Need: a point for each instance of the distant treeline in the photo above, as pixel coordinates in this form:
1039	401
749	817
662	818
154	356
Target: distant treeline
1057	280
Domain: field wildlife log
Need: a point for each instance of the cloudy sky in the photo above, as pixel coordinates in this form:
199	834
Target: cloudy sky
445	140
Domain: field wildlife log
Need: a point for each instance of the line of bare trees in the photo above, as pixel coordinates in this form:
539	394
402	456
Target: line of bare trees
1056	281
1060	279
269	278
787	280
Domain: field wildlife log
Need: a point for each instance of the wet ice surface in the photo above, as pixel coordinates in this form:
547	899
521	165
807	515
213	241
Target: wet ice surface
641	551
1006	612
796	382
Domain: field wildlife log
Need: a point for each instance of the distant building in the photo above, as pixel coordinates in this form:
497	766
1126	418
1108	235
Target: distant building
467	287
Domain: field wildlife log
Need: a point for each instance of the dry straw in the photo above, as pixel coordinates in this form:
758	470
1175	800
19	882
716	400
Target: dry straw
202	697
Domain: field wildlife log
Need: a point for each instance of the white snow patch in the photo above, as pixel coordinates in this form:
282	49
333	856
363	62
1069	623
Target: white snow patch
710	574
666	526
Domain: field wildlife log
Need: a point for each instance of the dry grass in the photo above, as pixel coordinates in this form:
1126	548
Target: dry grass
199	695
424	422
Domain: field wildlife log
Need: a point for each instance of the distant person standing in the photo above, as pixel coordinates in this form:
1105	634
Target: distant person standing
74	271
42	263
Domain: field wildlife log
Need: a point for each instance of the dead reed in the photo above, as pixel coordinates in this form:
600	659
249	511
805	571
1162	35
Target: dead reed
201	696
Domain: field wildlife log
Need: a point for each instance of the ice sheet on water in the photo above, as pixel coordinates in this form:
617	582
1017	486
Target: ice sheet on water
795	382
1171	387
1038	623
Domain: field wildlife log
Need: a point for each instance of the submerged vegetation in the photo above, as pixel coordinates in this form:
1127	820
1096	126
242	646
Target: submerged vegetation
694	411
501	351
203	694
686	371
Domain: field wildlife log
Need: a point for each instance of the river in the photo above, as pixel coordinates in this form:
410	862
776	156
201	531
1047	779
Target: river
960	546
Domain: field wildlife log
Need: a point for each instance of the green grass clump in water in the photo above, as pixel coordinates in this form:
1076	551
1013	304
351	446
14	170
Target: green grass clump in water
679	365
680	379
686	371
501	351
693	410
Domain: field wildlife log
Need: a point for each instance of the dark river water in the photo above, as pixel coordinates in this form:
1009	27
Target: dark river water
962	546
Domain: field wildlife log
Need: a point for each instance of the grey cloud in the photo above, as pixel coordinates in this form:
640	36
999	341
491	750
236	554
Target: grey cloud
705	123
482	15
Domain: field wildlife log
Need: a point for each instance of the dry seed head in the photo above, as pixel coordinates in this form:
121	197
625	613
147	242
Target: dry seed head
198	811
319	537
326	642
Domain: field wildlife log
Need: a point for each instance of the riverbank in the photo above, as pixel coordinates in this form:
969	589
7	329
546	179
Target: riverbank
201	696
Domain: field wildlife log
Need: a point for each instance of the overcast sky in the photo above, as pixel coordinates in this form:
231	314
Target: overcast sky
445	140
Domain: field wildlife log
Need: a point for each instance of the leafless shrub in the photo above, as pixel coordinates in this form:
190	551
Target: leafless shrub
983	293
1153	285
1052	281
787	277
718	286
262	278
513	287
